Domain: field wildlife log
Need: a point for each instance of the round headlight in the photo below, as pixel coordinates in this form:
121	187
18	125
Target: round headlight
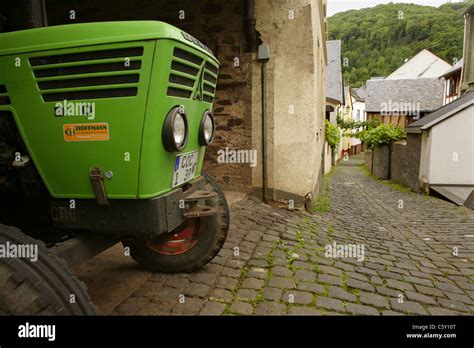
206	129
179	130
175	130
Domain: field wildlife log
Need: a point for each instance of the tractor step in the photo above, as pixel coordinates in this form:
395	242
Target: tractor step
193	207
200	195
199	211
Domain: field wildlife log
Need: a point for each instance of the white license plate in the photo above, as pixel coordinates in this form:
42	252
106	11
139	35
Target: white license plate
184	168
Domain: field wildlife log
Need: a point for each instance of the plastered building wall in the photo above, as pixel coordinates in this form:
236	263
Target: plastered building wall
295	34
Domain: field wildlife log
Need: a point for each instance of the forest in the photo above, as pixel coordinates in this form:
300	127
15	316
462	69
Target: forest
377	40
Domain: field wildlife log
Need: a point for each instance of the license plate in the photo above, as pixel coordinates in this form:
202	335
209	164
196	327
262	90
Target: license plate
184	168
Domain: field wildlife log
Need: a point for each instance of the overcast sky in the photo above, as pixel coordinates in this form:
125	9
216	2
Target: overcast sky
335	6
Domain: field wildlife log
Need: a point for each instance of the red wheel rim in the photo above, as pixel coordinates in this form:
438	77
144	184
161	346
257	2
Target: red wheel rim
176	243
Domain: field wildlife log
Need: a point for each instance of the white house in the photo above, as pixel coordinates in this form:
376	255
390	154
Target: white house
423	65
358	115
447	149
452	82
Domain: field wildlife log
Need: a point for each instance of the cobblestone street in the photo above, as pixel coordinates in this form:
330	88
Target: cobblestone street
274	261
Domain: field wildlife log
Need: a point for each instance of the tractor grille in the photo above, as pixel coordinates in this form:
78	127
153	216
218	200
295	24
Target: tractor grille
110	73
185	68
4	99
210	82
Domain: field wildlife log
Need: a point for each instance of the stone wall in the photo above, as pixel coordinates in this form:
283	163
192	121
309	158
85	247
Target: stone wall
218	24
405	162
381	162
399	162
368	160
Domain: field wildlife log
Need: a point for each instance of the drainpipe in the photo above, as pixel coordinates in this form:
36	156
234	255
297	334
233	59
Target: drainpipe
263	57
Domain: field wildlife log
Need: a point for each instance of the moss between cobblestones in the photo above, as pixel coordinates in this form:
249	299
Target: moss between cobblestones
300	239
354	291
322	203
330	230
243	274
326	290
344	280
259	298
289	254
270	259
392	185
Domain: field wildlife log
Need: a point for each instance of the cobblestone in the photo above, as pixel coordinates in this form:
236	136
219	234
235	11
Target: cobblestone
361	310
399	260
241	308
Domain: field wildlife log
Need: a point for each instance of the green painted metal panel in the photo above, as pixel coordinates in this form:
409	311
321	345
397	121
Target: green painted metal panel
86	34
94	68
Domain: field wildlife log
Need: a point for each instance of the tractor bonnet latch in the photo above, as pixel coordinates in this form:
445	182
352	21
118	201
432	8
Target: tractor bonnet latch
97	179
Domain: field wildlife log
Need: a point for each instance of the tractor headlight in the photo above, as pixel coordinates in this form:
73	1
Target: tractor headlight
206	129
175	130
179	130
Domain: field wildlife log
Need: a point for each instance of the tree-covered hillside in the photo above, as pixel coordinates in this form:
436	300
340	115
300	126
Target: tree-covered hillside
377	40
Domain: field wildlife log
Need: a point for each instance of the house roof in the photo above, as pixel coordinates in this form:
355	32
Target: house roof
424	64
470	9
359	93
441	114
457	67
384	95
334	71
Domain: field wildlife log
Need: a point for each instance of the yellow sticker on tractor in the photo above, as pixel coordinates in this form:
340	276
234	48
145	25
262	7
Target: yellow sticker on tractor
86	132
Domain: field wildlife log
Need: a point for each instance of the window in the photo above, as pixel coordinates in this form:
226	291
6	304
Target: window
452	86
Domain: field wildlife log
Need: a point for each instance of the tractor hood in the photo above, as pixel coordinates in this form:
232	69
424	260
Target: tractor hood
85	34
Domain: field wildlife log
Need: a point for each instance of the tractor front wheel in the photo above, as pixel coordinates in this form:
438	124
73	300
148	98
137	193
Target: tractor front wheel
34	282
190	246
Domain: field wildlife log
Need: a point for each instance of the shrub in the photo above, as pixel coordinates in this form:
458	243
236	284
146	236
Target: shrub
349	125
333	136
382	135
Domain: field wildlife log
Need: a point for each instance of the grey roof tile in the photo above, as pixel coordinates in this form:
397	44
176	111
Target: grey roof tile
457	66
425	92
334	71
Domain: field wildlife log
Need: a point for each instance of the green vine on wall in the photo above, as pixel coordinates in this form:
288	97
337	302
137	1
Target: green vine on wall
366	125
333	135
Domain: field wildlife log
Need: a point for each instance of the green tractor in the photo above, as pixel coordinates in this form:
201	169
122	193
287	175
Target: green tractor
103	130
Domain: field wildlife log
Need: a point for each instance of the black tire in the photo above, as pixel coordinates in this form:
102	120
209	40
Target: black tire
42	287
215	230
